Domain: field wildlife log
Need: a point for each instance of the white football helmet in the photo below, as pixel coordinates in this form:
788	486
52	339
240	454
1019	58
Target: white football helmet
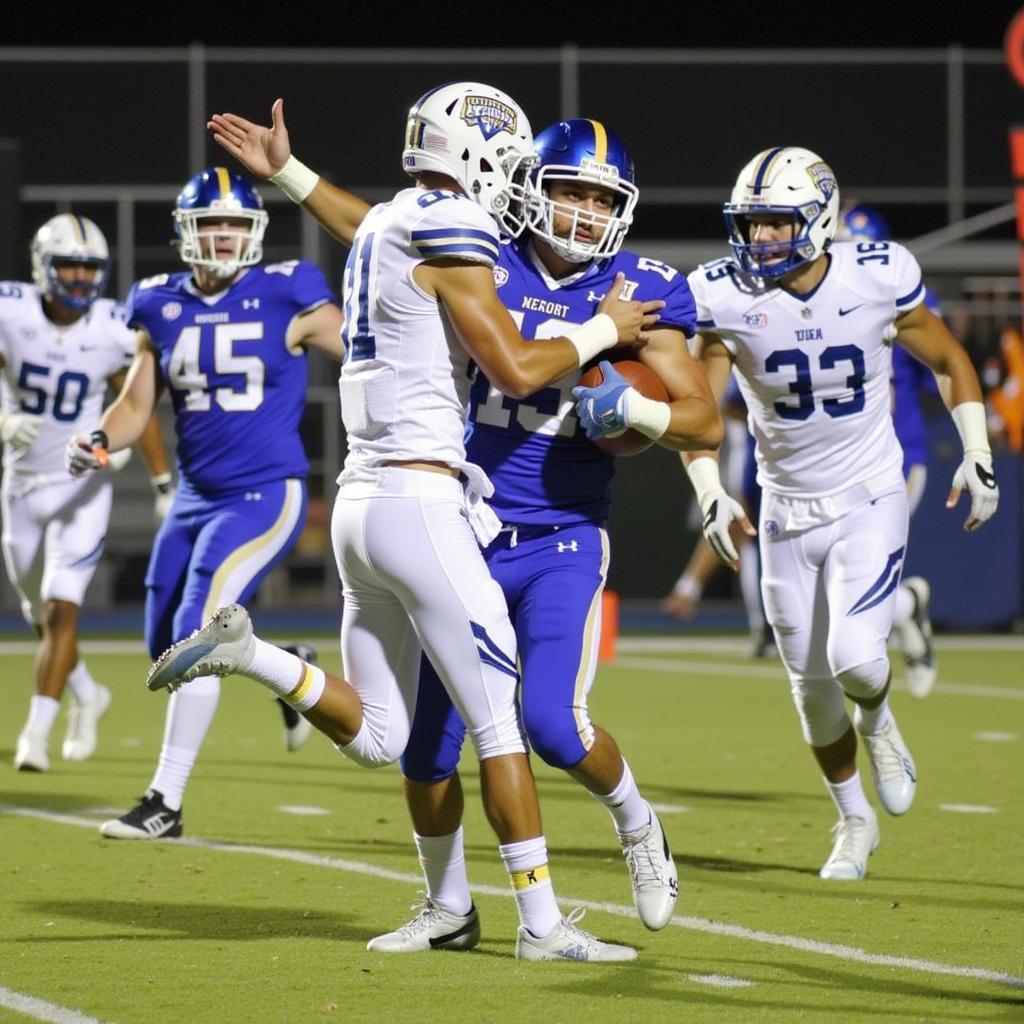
68	238
479	136
791	182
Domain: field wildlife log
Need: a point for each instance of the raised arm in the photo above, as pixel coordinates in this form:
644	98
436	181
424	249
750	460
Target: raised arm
267	153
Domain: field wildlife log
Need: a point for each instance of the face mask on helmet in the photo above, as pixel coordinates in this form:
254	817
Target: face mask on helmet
479	136
216	197
591	155
792	185
70	241
862	224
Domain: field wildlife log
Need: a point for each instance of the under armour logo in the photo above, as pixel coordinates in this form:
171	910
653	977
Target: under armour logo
531	876
568	545
250	303
253	496
987	478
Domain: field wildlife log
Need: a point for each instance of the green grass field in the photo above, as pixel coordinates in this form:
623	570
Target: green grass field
262	913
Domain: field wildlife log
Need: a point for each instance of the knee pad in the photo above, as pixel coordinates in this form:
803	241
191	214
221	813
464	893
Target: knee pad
822	710
865	680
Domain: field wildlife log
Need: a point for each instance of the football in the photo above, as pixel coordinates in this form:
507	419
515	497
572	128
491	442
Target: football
648	383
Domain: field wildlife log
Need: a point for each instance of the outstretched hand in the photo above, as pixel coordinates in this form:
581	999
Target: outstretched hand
262	151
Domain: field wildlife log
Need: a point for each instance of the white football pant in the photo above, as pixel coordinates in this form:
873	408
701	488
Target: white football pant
53	538
414	580
829	594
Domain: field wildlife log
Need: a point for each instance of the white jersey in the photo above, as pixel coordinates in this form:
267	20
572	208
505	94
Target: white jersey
814	370
59	373
406	377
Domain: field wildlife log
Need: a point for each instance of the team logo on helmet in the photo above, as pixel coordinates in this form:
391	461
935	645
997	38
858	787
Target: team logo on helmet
490	115
821	174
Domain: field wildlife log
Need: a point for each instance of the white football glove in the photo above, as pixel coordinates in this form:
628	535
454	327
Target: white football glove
163	489
975	475
82	455
20	429
718	512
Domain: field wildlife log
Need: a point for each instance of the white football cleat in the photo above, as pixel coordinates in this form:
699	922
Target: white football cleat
856	839
80	738
31	754
652	873
892	766
916	640
431	928
568	942
215	649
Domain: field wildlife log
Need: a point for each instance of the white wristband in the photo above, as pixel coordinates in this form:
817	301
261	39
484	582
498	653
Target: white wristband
703	473
295	180
969	418
161	482
647	415
593	337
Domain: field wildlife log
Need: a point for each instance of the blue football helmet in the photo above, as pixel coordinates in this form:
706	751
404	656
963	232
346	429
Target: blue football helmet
791	183
68	238
862	224
585	151
217	194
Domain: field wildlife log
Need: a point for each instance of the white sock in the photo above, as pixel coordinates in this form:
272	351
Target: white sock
527	866
292	679
629	810
83	686
189	714
904	606
849	798
443	861
42	711
874	719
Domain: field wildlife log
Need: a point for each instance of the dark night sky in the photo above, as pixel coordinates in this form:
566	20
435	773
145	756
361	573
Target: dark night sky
790	23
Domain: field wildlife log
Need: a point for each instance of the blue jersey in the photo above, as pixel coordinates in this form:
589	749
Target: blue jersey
911	379
238	392
543	468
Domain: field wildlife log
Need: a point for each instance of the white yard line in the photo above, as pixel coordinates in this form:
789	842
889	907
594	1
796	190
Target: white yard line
40	1009
849	953
690	667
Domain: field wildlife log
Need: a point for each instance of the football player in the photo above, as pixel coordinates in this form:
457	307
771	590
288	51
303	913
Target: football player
228	339
805	326
552	492
61	346
422	312
910	381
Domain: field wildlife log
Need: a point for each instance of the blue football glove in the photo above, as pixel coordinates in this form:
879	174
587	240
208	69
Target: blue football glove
602	410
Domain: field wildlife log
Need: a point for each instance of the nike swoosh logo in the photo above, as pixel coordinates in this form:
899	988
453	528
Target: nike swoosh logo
987	478
843	312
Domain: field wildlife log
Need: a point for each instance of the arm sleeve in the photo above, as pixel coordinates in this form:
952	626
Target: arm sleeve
309	287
